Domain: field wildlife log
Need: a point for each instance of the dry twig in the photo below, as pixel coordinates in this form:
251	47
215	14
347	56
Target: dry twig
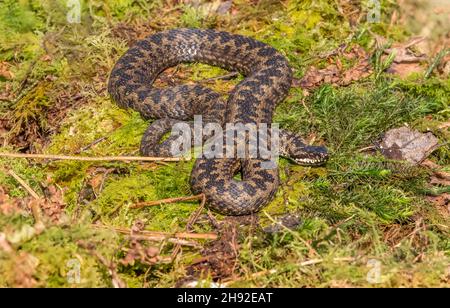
163	235
89	158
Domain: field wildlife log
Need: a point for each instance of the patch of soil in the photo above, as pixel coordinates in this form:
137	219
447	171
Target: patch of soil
334	73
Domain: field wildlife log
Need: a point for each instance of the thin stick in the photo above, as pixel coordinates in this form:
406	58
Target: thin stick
116	281
24	184
97	141
166	201
35	209
180	235
370	147
192	219
196	214
161	238
89	158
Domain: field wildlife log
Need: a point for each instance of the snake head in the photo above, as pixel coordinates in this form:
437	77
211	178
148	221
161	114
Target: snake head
309	155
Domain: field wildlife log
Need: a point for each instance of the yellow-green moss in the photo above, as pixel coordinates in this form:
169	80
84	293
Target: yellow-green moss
346	208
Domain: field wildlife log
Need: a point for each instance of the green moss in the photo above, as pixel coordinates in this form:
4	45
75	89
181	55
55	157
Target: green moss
34	175
357	208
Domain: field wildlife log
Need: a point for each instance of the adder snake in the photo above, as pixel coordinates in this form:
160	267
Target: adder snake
266	83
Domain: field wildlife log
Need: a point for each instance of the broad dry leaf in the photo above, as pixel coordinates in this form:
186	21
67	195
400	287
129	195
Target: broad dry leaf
406	61
406	144
403	70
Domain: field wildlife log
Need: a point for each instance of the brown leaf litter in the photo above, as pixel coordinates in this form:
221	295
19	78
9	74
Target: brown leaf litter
52	205
395	234
406	144
335	74
23	275
406	59
215	7
219	257
414	147
442	203
9	206
439	178
138	251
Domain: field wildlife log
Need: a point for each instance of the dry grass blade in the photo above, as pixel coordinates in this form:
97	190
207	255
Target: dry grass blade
89	158
24	184
35	204
165	235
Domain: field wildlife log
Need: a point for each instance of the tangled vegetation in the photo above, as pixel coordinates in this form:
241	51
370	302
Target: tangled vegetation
360	213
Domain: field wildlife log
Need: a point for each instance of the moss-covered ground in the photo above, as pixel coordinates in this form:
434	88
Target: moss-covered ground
364	220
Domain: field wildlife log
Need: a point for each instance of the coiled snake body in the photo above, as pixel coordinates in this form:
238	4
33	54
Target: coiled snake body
266	83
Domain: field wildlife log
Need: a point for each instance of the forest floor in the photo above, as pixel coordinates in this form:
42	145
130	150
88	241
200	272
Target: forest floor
365	219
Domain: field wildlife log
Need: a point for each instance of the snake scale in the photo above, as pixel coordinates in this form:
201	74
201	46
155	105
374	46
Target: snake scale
266	83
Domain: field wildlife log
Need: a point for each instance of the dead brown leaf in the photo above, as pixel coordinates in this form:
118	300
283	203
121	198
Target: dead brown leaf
439	177
406	60
442	203
218	7
406	144
444	125
444	65
404	53
335	74
52	205
403	70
